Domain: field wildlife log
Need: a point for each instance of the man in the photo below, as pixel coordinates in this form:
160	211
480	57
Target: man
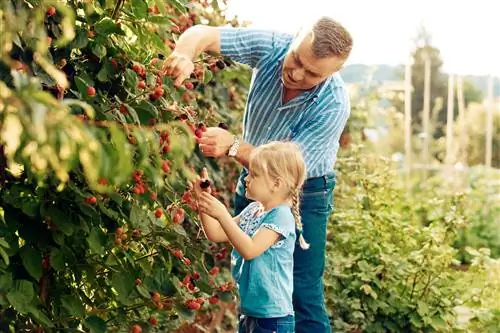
295	94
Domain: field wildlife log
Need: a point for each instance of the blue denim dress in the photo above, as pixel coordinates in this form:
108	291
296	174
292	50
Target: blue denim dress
265	283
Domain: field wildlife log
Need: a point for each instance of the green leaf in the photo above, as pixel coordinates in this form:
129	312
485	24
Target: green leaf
5	257
96	240
180	5
158	42
81	40
131	78
179	229
39	316
123	283
21	295
140	8
147	107
438	323
5	281
138	216
82	83
105	72
226	296
56	259
107	26
95	324
207	76
61	220
32	261
143	291
99	50
160	19
73	305
422	308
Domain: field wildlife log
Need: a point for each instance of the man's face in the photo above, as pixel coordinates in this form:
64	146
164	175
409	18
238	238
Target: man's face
302	70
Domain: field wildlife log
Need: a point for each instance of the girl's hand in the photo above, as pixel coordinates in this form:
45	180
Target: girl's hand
209	205
201	184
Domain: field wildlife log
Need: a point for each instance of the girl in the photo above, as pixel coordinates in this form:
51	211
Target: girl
263	236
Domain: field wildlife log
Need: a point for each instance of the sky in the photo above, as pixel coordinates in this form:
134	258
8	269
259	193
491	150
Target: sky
466	32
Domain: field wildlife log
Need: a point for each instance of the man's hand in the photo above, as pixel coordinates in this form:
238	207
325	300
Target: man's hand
178	66
215	142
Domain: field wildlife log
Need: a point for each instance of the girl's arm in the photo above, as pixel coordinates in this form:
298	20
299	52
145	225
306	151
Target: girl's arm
212	228
248	247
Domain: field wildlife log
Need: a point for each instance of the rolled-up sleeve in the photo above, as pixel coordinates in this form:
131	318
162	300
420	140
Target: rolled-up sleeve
246	45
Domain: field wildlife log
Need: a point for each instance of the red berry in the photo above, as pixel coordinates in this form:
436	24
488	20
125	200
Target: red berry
46	263
158	213
51	11
213	300
196	275
165	166
186	97
91	91
153	321
103	181
136	329
141	84
153	196
151	10
193	305
189	85
123	109
158	91
156	297
137	68
177	218
119	231
138	282
178	254
198	132
214	271
92	200
187	261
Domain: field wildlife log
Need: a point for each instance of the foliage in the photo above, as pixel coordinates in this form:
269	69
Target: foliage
387	271
97	228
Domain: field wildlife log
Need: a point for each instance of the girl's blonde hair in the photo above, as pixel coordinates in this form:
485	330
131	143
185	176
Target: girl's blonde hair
283	160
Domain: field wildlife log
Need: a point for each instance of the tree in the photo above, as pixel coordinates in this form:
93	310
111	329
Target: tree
98	230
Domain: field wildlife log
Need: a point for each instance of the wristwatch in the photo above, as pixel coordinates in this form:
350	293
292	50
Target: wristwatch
233	150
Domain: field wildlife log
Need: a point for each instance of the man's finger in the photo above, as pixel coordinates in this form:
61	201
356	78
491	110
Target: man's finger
207	141
172	68
179	79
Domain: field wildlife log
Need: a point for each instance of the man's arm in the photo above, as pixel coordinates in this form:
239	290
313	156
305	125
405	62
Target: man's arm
244	45
198	39
195	40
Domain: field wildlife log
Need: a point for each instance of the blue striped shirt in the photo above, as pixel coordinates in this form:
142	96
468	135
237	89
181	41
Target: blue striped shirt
314	120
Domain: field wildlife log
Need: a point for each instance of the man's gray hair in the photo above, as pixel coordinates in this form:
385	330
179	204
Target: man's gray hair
330	38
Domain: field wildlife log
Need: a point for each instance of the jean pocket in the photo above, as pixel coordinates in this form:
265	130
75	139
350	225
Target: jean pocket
265	325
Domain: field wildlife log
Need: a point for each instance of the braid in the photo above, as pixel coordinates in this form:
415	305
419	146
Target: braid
298	220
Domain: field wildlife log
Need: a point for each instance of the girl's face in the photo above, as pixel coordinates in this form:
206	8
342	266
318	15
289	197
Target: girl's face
258	187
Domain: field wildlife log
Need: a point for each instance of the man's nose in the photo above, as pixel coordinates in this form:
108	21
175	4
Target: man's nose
298	74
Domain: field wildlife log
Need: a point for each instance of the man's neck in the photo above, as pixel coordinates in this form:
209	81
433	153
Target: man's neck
289	94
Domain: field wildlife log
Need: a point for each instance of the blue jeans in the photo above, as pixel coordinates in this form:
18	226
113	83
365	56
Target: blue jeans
266	325
309	265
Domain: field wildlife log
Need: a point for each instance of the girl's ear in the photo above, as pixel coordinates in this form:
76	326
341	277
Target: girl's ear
278	184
